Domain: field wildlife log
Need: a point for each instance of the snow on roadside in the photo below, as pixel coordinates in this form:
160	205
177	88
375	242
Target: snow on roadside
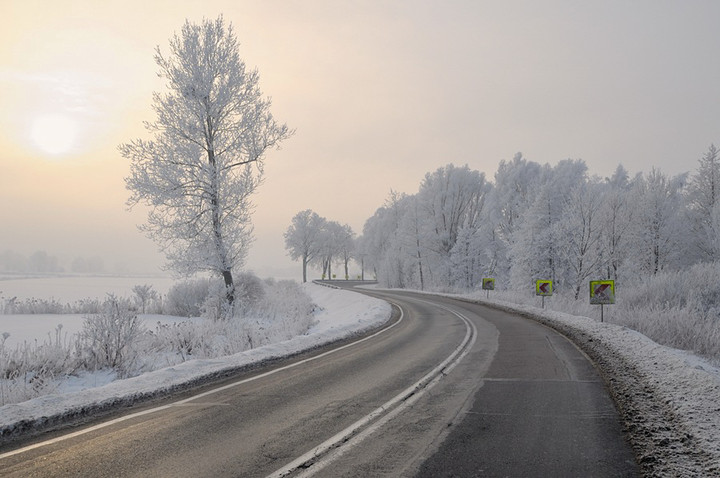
669	399
341	314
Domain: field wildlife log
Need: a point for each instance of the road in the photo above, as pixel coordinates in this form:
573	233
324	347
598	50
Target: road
448	389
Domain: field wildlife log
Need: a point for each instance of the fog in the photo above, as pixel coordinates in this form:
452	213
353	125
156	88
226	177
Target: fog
379	94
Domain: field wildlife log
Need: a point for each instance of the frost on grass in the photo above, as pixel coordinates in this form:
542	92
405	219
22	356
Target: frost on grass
323	315
118	339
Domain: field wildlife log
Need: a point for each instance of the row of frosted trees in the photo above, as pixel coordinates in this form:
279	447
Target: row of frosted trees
319	243
543	222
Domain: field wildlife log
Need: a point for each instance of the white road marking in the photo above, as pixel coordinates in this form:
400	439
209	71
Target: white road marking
322	455
189	399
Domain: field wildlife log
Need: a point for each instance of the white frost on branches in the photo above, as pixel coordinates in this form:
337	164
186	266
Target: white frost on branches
206	157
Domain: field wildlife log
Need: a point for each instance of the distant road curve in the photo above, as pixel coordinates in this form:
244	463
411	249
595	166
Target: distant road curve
452	389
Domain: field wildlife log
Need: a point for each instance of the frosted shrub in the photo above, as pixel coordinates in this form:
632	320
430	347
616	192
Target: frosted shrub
186	298
85	306
11	305
33	306
285	311
108	339
31	369
215	306
249	291
695	288
679	309
115	338
186	340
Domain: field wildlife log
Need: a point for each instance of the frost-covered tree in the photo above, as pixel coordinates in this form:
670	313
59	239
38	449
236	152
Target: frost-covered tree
382	242
617	218
578	236
658	229
532	249
346	247
303	238
703	195
331	246
537	241
450	199
205	158
516	184
143	295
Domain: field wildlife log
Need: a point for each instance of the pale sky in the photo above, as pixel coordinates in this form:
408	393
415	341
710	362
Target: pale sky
379	93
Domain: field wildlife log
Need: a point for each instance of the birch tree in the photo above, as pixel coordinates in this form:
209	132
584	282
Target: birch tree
205	158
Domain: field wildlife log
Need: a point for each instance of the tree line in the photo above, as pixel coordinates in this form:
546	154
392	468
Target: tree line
540	222
316	241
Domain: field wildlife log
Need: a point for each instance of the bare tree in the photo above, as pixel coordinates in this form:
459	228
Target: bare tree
206	157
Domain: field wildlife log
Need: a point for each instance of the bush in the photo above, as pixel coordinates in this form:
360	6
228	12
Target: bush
116	340
250	290
30	369
285	311
677	309
187	298
109	339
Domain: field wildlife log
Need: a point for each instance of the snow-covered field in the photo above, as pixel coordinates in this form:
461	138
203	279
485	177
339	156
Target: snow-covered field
340	314
69	289
669	399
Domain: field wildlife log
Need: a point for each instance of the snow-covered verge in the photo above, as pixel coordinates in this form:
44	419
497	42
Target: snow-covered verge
340	314
669	399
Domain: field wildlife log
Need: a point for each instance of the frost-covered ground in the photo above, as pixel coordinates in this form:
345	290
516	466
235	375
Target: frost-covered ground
341	314
669	399
30	327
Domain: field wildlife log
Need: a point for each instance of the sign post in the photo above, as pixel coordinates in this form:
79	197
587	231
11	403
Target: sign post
488	284
543	288
602	292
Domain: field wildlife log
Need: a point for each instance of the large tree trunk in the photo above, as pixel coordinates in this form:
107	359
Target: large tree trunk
217	227
229	287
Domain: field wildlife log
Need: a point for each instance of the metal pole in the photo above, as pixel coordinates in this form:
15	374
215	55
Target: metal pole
602	310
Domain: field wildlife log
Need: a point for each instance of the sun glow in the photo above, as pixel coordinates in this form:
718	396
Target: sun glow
54	134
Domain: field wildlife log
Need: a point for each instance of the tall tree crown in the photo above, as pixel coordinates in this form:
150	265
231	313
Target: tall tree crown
205	158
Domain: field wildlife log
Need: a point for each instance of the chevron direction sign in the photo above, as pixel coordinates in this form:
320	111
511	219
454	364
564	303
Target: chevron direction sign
602	292
488	284
543	288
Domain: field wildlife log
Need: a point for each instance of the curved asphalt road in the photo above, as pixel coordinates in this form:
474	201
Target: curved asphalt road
522	401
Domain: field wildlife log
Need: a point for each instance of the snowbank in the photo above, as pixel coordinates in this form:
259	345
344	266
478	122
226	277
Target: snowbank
341	314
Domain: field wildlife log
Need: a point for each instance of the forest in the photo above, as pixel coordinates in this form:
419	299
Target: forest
655	235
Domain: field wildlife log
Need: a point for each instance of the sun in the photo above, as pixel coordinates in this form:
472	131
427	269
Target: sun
54	134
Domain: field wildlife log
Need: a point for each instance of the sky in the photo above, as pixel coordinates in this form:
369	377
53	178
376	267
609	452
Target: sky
379	93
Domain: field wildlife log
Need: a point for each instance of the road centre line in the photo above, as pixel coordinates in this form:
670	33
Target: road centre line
194	397
316	459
